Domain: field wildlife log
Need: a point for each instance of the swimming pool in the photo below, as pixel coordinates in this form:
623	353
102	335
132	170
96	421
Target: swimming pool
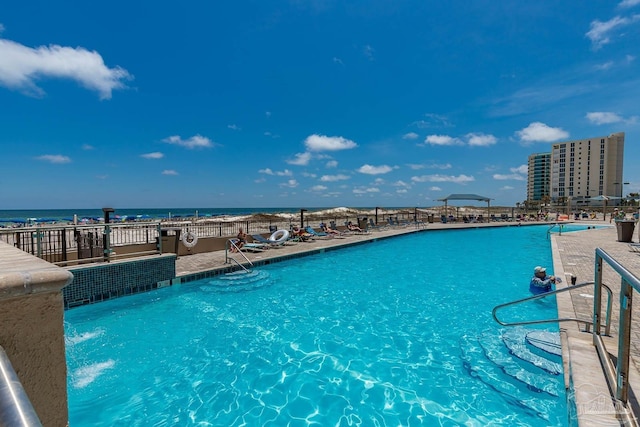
396	332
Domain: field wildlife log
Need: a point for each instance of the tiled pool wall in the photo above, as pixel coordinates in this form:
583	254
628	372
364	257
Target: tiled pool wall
102	282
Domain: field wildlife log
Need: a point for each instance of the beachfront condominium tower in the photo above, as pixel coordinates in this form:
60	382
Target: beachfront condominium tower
585	168
539	177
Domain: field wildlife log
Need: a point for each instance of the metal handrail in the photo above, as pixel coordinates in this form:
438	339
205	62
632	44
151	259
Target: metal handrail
618	375
226	253
587	323
15	407
553	226
246	270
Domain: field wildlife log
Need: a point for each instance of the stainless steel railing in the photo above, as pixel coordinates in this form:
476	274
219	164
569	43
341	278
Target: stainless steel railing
15	407
588	324
617	374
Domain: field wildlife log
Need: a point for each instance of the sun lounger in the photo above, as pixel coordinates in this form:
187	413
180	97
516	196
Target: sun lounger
250	247
271	243
314	233
635	247
375	226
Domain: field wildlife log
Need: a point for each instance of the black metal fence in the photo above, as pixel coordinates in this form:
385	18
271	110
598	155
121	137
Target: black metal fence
71	244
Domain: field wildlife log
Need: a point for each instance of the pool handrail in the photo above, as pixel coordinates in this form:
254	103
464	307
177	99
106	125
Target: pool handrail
227	257
617	375
15	407
588	324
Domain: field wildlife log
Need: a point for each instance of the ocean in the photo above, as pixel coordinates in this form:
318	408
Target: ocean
65	215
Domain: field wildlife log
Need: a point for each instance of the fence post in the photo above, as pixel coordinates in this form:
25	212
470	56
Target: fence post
624	341
159	231
38	242
107	242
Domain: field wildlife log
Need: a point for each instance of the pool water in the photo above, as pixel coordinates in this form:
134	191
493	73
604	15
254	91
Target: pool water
395	332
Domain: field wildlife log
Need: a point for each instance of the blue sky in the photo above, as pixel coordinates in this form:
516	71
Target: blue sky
304	103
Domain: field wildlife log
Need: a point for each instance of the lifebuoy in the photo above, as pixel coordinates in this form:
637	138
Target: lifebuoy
189	239
279	236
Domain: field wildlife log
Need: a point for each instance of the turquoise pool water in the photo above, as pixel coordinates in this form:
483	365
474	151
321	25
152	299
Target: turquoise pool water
396	332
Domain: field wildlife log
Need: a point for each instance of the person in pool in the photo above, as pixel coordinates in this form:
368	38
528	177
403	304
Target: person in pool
540	282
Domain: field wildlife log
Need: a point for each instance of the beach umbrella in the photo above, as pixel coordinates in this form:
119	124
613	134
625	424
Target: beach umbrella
16	220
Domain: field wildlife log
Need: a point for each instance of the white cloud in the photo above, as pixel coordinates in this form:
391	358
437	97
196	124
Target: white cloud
268	171
332	178
460	179
300	159
605	66
375	170
1	28
21	66
331	164
318	188
292	183
523	169
540	132
602	117
402	191
169	172
88	147
480	139
628	3
432	121
513	176
600	32
196	141
337	60
442	140
54	158
410	135
267	114
401	183
366	190
368	52
234	127
506	187
328	143
155	155
434	188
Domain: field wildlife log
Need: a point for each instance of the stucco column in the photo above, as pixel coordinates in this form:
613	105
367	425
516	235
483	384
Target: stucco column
32	330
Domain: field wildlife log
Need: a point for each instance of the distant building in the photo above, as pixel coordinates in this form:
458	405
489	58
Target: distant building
539	177
577	170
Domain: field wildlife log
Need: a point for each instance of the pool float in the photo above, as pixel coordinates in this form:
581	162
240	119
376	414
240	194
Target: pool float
279	236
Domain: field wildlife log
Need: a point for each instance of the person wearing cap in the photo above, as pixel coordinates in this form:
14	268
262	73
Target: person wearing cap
540	282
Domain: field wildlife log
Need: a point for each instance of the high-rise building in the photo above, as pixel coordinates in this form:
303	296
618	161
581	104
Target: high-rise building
539	177
585	168
577	170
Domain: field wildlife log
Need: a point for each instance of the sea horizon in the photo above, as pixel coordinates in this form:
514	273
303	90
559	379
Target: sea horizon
51	215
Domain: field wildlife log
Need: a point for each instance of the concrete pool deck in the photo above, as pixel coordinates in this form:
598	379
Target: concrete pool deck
573	253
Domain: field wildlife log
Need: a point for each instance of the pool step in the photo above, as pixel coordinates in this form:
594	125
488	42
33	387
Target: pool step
538	382
507	363
240	281
516	341
547	342
490	371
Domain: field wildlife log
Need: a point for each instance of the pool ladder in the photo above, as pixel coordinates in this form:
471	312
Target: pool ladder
587	323
560	226
228	258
